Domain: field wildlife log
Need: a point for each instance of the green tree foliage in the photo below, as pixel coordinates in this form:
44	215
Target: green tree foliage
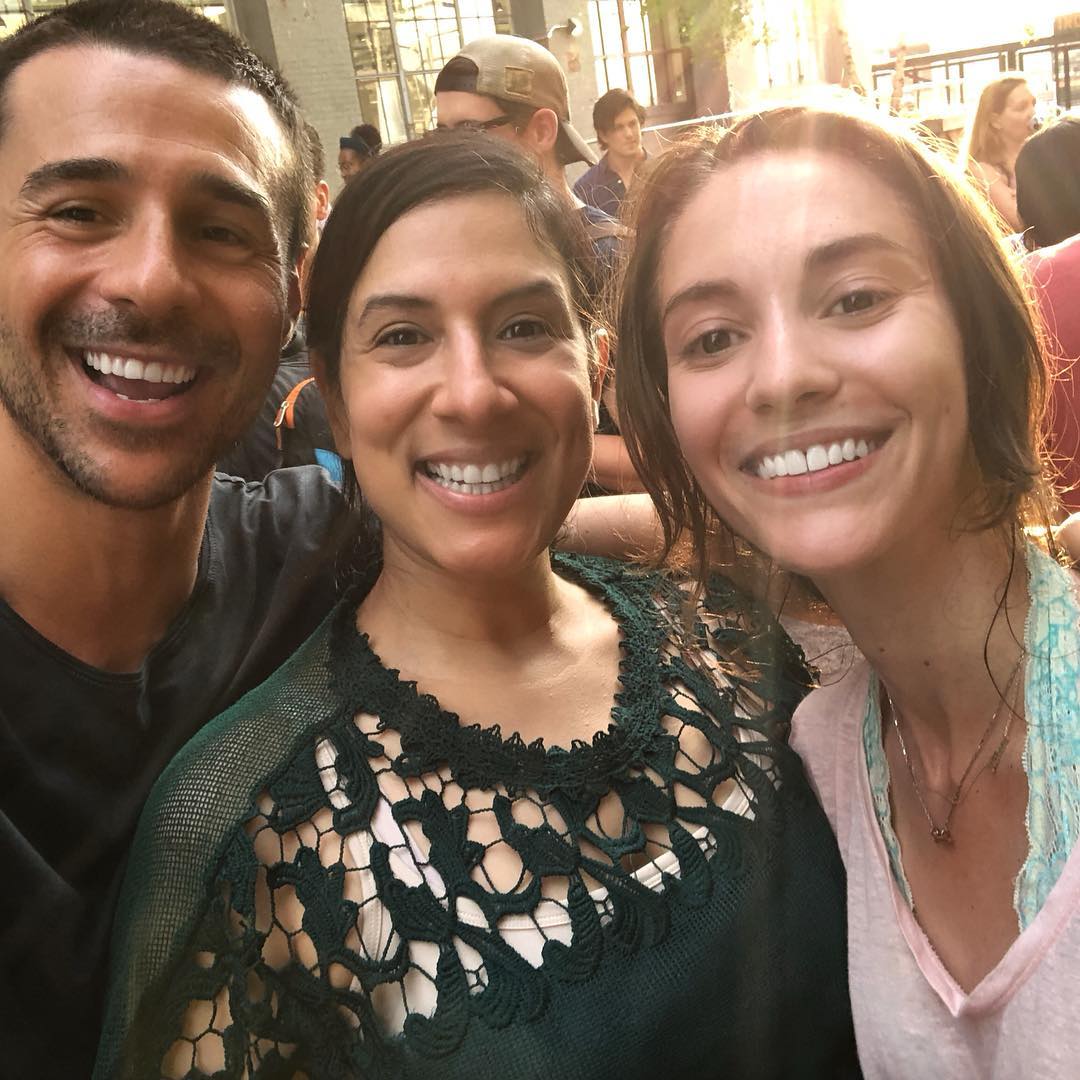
707	26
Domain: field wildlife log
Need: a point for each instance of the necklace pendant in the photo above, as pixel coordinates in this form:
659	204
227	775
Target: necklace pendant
941	834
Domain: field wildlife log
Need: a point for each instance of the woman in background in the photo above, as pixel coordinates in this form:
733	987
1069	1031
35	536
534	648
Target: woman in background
1004	118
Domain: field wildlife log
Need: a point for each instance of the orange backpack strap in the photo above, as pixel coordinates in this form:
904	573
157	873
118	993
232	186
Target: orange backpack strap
286	414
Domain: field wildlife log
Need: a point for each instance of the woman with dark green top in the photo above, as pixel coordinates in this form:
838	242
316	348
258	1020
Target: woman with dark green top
505	814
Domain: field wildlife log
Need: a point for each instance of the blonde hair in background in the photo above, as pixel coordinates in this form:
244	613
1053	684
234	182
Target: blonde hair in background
981	142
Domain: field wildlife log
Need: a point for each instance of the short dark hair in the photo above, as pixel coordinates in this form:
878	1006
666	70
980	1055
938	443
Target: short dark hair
1004	365
609	106
1048	182
369	133
441	166
166	29
316	154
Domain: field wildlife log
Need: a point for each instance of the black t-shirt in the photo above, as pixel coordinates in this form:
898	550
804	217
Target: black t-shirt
80	749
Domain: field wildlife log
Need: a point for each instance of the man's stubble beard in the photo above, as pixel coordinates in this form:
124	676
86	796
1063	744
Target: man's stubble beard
25	387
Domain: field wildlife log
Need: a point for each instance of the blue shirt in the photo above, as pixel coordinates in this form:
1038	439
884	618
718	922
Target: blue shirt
601	187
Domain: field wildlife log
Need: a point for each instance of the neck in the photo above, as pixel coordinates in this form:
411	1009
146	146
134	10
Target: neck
624	165
1010	151
942	624
417	603
556	177
103	584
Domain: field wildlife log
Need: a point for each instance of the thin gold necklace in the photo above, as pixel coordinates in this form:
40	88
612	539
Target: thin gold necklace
942	834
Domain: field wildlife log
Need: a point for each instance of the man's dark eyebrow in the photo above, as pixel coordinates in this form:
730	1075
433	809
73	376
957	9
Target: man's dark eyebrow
722	289
225	190
72	169
847	246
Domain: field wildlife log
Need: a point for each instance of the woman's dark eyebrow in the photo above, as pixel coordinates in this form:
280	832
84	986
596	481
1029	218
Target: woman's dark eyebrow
541	289
847	246
91	169
722	289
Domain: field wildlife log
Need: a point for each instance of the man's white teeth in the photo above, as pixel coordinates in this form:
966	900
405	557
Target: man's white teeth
136	370
476	479
814	459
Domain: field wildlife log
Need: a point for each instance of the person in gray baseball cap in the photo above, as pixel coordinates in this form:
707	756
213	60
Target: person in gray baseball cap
513	88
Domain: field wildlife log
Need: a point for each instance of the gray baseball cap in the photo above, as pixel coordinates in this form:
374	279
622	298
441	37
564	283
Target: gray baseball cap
519	70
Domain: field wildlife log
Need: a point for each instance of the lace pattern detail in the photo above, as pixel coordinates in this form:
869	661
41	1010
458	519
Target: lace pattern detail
406	876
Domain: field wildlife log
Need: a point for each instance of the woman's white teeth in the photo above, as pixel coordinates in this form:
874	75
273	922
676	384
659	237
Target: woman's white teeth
476	479
816	458
136	370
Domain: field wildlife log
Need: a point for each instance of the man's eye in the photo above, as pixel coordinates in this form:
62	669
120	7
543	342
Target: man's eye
220	234
524	330
80	215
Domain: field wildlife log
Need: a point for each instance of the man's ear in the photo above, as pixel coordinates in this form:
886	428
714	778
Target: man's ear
542	131
335	407
322	200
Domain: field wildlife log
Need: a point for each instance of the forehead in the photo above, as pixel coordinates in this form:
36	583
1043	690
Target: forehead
458	251
627	116
1019	95
92	101
453	106
769	211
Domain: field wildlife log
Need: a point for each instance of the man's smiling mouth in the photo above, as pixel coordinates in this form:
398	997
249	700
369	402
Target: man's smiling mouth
132	379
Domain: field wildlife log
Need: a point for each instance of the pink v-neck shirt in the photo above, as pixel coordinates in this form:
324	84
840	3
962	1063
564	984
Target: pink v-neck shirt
911	1018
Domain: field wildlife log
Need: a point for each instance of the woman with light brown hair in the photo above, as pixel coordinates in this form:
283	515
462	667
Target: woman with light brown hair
1002	123
824	349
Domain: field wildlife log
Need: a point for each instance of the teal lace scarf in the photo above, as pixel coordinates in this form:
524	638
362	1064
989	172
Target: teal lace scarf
1051	749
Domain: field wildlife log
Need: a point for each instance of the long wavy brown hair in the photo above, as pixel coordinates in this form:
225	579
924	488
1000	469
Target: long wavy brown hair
1006	374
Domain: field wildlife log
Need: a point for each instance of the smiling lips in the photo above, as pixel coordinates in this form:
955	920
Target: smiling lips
815	458
476	479
136	380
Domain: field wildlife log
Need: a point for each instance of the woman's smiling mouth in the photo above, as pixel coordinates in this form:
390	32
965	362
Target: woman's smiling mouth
480	478
816	457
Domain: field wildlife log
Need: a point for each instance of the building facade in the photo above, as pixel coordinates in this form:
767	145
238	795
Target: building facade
375	61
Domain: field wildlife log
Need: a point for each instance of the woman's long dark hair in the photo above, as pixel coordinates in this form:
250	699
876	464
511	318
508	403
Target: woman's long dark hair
1048	182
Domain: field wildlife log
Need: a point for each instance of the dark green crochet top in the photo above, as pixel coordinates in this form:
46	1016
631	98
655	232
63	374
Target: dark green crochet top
311	892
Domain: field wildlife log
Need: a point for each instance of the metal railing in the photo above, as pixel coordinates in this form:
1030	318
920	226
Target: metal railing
938	81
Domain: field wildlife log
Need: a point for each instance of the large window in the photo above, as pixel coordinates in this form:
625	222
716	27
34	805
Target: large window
400	46
17	13
640	52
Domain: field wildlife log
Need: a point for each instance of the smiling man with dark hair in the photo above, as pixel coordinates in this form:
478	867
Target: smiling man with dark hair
154	204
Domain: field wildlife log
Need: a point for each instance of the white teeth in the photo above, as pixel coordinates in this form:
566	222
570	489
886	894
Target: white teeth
815	459
476	479
137	370
795	461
